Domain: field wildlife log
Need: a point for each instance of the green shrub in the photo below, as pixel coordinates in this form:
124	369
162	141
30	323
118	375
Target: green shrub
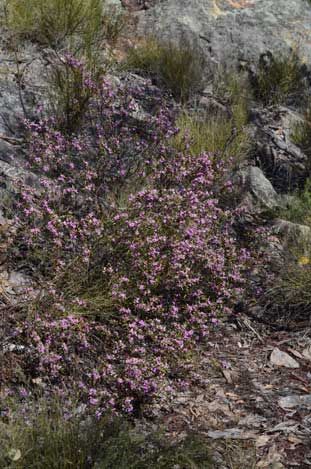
72	84
113	23
298	209
129	452
48	440
177	67
278	79
83	22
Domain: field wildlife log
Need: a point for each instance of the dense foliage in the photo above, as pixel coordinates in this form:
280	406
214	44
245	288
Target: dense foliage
137	255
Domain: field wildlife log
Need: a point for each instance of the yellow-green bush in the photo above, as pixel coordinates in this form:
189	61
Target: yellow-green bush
72	85
278	79
177	67
54	21
217	133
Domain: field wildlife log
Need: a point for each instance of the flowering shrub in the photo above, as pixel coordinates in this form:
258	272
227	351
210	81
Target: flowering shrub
129	289
78	172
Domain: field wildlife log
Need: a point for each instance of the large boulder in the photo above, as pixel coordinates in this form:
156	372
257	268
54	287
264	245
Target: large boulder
228	31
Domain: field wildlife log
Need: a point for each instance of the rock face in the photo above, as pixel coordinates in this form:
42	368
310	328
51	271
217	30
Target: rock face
256	191
16	104
282	161
293	232
229	31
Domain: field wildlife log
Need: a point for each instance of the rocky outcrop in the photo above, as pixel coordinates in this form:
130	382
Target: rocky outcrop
21	85
293	232
282	161
229	31
256	192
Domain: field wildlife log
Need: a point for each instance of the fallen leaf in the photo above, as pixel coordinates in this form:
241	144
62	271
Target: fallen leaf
37	380
252	420
232	433
228	375
14	454
293	439
295	352
289	426
232	395
262	440
299	378
272	460
216	405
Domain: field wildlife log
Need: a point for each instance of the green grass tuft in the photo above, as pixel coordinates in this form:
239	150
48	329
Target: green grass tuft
178	67
51	439
278	79
217	133
82	23
301	134
298	209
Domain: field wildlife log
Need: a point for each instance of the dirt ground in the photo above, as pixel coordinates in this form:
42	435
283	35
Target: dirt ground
251	400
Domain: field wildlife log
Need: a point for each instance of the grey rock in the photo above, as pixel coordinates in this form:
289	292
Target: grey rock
284	164
113	3
11	178
7	151
13	348
290	402
255	191
211	105
13	283
231	31
280	358
292	232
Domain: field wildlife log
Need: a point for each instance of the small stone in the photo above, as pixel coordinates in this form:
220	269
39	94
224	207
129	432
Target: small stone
280	358
307	353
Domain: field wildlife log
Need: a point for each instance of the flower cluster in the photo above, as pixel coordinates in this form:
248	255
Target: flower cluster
77	174
146	279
